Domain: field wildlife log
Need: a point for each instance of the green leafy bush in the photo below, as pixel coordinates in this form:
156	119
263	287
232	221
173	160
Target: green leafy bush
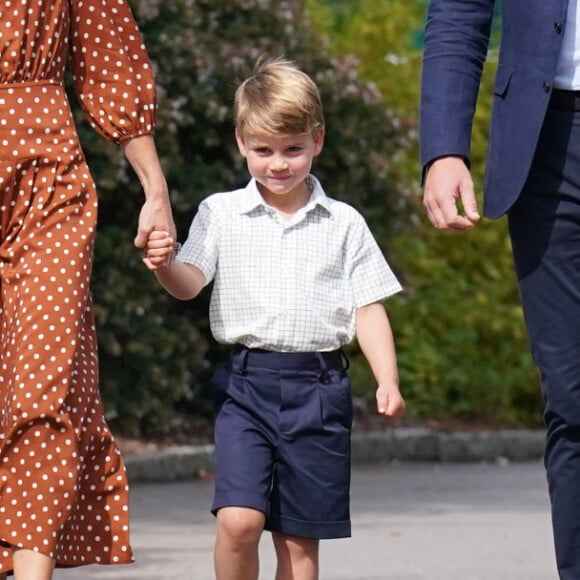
156	353
461	342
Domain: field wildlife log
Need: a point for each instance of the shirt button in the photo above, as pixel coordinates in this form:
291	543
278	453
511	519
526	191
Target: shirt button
558	27
547	87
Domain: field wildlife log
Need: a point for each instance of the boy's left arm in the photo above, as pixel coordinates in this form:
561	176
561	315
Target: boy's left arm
375	338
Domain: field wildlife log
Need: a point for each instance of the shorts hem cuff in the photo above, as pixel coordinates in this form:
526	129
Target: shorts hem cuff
238	501
306	529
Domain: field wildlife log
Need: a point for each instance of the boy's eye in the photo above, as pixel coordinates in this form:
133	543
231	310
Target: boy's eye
294	149
262	150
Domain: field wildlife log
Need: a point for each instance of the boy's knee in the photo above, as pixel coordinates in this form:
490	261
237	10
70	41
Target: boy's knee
243	526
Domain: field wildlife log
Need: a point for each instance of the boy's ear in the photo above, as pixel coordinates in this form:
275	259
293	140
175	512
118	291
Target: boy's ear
240	142
318	141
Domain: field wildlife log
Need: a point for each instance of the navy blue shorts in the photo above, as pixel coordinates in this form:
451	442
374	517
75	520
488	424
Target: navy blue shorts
282	440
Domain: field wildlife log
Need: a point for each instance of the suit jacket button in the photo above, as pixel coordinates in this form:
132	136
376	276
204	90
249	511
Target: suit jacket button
558	27
547	87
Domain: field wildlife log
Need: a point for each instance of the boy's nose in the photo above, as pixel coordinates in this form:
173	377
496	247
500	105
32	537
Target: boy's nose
279	163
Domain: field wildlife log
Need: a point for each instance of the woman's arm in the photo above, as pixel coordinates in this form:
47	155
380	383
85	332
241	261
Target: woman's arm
156	211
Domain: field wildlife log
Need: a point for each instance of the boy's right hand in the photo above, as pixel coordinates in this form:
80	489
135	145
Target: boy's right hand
160	250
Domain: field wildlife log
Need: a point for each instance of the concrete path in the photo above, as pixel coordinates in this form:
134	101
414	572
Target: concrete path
411	521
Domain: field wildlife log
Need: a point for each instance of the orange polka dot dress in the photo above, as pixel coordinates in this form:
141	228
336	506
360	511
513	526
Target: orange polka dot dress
63	485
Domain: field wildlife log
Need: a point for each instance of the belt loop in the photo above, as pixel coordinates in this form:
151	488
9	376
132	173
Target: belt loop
323	367
345	359
240	359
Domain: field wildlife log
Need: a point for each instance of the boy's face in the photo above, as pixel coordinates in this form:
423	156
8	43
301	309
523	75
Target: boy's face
280	164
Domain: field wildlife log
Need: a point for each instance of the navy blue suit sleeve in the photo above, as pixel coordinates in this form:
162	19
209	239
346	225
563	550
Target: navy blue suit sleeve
456	42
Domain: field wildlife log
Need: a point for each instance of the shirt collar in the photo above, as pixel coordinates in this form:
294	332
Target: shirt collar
251	198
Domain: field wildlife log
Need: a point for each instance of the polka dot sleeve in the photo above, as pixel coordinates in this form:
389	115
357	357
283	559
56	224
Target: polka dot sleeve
111	69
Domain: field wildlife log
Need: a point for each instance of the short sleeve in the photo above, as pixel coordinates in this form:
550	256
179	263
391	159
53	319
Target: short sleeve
202	245
111	70
371	276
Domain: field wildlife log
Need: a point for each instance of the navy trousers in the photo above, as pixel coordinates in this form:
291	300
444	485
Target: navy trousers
545	232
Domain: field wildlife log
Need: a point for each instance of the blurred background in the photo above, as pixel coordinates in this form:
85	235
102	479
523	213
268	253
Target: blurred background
463	353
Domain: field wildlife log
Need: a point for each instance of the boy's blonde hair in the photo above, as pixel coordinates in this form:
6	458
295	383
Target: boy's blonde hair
278	99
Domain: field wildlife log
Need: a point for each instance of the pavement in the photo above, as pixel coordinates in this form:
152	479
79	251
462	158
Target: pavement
426	505
411	521
375	447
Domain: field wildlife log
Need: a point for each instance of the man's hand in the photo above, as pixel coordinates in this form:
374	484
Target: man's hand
447	181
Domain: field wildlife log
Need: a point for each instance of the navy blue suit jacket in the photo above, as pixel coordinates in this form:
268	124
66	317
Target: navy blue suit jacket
456	43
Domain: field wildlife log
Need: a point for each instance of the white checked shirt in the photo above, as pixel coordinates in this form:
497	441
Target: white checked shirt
287	286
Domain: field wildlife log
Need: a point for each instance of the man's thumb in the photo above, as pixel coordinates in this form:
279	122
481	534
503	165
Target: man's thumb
469	202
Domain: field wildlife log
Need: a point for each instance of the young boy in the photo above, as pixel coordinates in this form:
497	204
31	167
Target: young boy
296	275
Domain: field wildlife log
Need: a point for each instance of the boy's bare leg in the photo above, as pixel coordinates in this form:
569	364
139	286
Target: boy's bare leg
297	557
30	565
236	547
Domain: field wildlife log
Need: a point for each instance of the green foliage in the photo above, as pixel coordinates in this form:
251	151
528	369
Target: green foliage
385	36
461	341
462	348
462	345
156	353
152	349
